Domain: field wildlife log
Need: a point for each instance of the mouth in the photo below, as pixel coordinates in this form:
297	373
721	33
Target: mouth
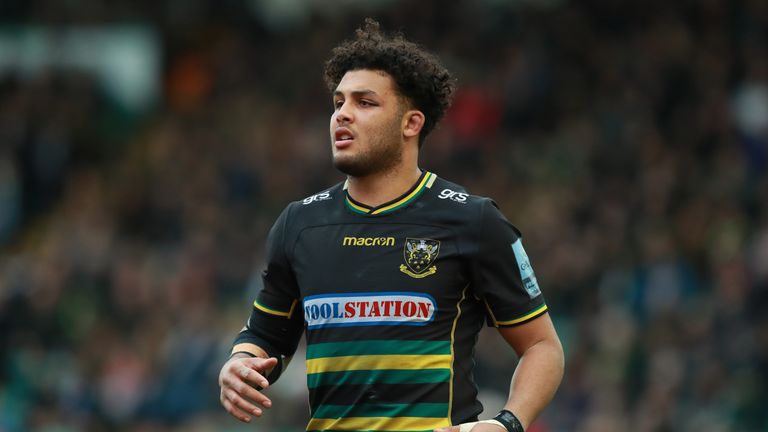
343	137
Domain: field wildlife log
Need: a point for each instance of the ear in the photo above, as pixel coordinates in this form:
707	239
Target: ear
413	121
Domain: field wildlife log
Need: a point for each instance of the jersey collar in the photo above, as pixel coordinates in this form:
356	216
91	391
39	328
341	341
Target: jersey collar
424	182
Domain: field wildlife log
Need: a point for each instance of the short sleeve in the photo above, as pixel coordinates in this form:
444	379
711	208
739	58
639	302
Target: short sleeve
502	273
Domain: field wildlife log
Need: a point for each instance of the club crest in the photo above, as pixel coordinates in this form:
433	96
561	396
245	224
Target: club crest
419	256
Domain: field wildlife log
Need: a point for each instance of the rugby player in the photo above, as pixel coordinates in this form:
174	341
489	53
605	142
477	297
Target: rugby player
391	274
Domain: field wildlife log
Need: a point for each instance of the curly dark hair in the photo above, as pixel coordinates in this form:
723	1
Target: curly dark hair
418	75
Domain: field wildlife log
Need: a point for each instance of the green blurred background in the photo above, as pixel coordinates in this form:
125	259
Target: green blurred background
147	146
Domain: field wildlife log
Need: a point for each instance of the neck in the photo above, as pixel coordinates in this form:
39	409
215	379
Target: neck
376	189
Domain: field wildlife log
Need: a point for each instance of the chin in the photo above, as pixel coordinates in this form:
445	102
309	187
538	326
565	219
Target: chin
350	167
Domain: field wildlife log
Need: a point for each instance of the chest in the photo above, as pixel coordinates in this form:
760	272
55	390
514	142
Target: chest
399	267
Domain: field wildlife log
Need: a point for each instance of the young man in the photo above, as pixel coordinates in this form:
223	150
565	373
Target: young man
392	273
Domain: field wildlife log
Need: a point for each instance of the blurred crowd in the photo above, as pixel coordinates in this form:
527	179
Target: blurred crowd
628	142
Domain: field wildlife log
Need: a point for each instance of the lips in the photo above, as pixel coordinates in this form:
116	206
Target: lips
343	137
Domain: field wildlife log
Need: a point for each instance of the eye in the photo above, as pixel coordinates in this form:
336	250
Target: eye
366	103
338	103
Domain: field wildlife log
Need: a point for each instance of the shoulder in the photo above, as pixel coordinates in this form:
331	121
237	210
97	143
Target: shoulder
309	209
475	212
458	199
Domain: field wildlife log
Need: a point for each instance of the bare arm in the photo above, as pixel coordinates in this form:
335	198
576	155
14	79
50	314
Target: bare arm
540	370
537	376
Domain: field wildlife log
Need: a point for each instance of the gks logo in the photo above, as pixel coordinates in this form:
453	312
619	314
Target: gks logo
459	197
364	309
317	197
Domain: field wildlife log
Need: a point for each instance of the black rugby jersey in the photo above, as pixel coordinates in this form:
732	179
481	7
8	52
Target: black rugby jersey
391	300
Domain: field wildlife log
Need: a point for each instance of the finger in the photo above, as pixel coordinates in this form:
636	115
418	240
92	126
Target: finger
252	376
256	396
262	366
238	371
261	362
489	427
255	363
234	411
243	403
484	426
244	390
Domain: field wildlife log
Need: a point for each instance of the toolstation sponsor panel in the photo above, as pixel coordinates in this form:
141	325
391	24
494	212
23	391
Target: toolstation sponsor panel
368	309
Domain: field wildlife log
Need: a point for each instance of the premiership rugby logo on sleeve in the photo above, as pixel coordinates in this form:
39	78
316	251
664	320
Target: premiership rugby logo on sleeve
526	271
369	309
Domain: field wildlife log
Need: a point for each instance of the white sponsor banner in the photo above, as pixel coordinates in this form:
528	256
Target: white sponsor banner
392	308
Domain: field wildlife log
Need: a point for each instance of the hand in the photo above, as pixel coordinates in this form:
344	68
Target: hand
237	379
481	426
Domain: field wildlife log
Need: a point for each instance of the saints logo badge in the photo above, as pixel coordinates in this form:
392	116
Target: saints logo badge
419	255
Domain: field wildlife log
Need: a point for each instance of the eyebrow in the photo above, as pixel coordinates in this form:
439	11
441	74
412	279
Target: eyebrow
363	92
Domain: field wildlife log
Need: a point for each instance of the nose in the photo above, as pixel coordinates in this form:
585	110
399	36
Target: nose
343	114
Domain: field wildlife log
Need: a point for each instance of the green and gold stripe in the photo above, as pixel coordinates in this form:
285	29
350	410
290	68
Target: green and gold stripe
368	430
379	376
382	410
453	339
426	182
378	424
377	347
356	208
270	311
376	362
528	316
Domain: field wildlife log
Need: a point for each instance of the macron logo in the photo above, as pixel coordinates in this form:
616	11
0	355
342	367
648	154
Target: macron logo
365	309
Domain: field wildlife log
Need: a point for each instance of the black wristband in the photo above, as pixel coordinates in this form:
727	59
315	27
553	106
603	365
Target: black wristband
509	421
242	352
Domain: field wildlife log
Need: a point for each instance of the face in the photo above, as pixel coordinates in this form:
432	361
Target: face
366	125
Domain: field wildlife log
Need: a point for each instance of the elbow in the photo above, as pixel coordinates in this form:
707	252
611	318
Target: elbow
550	352
562	358
558	357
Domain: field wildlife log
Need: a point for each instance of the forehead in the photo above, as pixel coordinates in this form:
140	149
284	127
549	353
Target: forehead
367	80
